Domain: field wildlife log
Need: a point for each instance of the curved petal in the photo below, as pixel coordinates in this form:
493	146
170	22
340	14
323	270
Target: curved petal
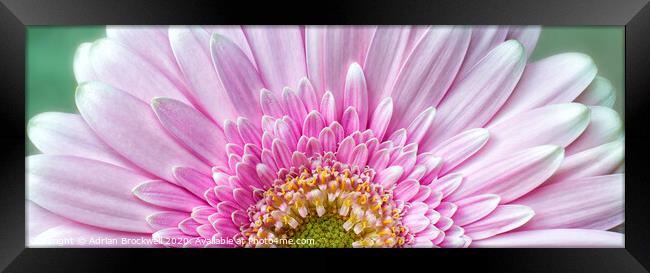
279	55
591	203
330	48
488	84
190	46
356	94
123	69
604	126
429	72
514	175
601	160
68	134
193	129
163	194
111	114
556	79
87	191
484	39
460	147
527	35
599	92
503	219
238	76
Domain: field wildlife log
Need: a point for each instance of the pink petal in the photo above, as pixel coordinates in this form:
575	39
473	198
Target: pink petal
428	73
604	126
489	84
238	75
555	238
350	120
527	36
165	219
118	66
39	220
329	50
150	42
359	156
406	190
601	160
356	93
191	49
556	79
503	219
419	128
328	108
307	93
474	208
327	140
82	64
193	180
460	147
591	203
110	113
484	39
191	128
558	124
381	117
166	195
234	34
68	134
388	51
279	54
513	175
270	104
87	191
389	176
599	92
294	105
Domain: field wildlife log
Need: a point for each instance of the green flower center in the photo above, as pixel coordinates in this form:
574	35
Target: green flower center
324	232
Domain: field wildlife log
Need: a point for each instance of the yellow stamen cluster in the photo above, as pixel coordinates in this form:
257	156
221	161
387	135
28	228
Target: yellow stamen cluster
309	198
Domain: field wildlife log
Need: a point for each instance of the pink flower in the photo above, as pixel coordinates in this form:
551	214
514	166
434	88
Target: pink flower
328	137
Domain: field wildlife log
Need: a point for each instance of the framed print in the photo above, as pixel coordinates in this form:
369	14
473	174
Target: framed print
514	140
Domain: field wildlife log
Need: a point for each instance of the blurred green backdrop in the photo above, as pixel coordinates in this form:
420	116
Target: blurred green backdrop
51	84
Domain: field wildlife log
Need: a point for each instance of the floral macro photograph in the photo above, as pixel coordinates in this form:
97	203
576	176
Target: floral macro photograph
325	137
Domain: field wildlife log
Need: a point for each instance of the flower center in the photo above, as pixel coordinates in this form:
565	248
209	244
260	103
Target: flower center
330	204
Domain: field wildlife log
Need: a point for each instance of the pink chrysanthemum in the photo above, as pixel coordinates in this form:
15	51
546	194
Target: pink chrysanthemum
328	137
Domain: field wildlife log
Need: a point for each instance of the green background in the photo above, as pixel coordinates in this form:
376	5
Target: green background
51	83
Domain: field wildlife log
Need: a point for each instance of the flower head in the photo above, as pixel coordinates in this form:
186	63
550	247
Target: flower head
330	137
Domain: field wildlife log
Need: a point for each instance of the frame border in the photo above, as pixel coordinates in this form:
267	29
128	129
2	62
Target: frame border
16	15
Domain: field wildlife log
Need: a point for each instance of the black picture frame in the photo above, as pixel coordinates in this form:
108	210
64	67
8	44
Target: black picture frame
16	15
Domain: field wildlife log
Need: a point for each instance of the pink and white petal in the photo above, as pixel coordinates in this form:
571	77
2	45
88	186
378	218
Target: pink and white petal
84	236
190	46
293	105
193	129
387	53
150	42
238	76
236	35
328	108
484	39
381	118
389	176
599	92
61	185
118	66
526	35
556	79
514	175
279	54
474	208
39	220
429	72
82	65
356	93
591	203
110	113
330	48
489	84
460	147
572	238
420	127
167	195
193	180
604	126
165	219
503	219
307	94
68	134
600	160
558	124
